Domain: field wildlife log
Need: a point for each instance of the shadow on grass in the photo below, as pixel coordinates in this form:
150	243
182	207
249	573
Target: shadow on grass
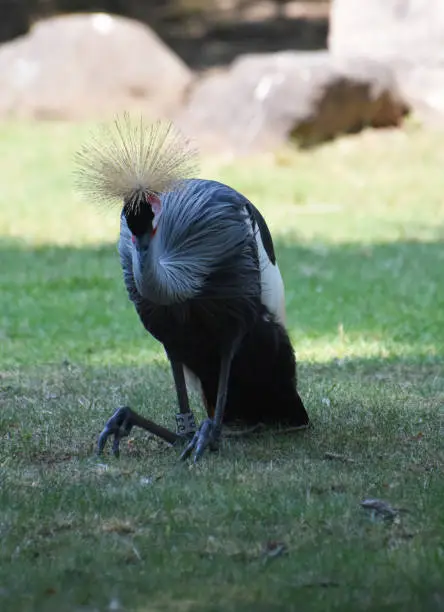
81	534
65	303
53	414
81	351
83	530
391	292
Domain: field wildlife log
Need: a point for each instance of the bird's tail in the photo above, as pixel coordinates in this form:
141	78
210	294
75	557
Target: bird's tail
128	159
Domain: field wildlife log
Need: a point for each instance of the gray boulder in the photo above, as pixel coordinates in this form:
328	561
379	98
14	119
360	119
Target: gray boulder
263	100
406	36
91	65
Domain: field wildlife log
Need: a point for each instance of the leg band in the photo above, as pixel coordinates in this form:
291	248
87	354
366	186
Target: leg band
185	423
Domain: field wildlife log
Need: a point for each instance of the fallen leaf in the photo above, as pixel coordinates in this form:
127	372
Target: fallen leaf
379	508
417	437
50	591
324	584
274	549
338	457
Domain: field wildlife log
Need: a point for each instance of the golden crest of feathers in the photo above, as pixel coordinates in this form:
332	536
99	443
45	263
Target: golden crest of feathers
131	158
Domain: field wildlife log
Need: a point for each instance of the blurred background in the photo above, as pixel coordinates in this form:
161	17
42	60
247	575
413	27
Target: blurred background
239	75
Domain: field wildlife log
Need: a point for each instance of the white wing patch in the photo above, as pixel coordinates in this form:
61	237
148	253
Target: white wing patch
273	291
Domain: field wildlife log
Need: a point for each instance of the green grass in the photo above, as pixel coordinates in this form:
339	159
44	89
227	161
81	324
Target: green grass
359	231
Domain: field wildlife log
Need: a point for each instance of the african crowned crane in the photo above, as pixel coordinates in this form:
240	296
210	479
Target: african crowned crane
200	268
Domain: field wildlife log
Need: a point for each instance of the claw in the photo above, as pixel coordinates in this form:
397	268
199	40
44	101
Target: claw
206	436
204	439
189	447
118	425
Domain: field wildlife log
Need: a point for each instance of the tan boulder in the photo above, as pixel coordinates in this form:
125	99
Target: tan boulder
88	66
263	100
405	35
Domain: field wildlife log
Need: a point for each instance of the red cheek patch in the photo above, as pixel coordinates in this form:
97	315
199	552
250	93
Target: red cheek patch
153	199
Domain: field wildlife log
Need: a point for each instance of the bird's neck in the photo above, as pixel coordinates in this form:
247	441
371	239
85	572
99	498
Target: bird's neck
160	277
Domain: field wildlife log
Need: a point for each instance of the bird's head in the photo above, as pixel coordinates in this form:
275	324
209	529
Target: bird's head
140	166
135	163
142	212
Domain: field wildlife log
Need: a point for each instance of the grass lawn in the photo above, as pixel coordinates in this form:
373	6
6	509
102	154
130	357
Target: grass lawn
271	522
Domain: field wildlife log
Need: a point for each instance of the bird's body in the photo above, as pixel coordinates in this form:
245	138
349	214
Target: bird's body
199	266
236	301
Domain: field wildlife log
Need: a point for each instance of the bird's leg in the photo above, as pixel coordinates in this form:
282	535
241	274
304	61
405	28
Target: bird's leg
121	424
185	423
209	432
124	419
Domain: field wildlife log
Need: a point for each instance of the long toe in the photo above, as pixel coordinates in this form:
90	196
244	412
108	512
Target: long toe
207	438
190	447
119	426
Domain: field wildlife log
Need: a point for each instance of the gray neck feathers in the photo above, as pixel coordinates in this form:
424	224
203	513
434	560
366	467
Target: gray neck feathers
203	247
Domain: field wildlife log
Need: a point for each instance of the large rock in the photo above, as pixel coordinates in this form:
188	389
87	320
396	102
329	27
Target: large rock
406	35
88	66
263	100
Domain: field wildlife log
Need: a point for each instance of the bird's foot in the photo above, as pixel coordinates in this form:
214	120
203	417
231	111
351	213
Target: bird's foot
119	426
124	419
208	435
